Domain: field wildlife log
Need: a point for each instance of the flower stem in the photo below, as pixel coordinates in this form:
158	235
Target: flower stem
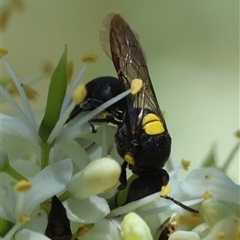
14	173
45	150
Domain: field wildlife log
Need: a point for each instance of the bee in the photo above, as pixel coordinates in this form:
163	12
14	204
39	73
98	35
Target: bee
142	138
99	91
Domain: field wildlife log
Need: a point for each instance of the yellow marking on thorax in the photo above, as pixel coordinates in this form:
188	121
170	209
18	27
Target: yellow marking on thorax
152	125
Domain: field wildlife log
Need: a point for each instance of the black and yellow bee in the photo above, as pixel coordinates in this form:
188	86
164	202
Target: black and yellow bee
142	139
99	91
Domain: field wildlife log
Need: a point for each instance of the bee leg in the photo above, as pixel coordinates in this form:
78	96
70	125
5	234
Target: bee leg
123	177
93	128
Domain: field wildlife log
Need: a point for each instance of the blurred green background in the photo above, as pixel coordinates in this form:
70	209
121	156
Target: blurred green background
192	48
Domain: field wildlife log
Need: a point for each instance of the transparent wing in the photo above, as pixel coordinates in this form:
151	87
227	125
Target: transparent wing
121	44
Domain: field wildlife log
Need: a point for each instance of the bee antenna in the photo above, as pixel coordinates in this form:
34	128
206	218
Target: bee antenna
181	204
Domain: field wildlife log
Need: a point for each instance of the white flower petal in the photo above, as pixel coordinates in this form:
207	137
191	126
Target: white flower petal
212	180
75	152
226	229
98	177
29	170
133	205
96	236
183	235
88	210
49	182
104	229
214	210
38	222
26	234
16	137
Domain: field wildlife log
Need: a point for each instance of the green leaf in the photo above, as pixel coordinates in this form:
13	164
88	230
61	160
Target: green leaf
56	94
5	226
210	160
4	82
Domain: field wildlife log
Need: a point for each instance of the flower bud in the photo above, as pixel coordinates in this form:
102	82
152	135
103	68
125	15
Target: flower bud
133	227
98	177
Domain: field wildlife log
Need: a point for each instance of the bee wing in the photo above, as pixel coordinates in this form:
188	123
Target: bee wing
121	44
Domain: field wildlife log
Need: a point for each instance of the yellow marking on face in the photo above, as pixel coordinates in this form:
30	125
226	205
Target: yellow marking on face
152	125
79	93
136	86
129	158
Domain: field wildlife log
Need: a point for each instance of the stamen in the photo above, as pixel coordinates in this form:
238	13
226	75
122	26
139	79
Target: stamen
59	125
3	51
23	186
90	58
30	92
207	195
26	105
24	218
79	93
190	220
69	71
20	113
68	96
185	164
82	230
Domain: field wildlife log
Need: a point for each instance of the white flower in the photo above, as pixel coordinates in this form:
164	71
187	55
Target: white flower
18	207
220	211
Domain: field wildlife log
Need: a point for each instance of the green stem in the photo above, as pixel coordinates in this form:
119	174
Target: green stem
45	151
13	173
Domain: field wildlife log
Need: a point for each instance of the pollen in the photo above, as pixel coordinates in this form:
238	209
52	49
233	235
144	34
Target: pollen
24	218
221	235
136	86
3	51
189	220
185	164
82	230
89	58
39	214
69	71
23	186
207	195
237	133
79	93
208	177
129	158
166	190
